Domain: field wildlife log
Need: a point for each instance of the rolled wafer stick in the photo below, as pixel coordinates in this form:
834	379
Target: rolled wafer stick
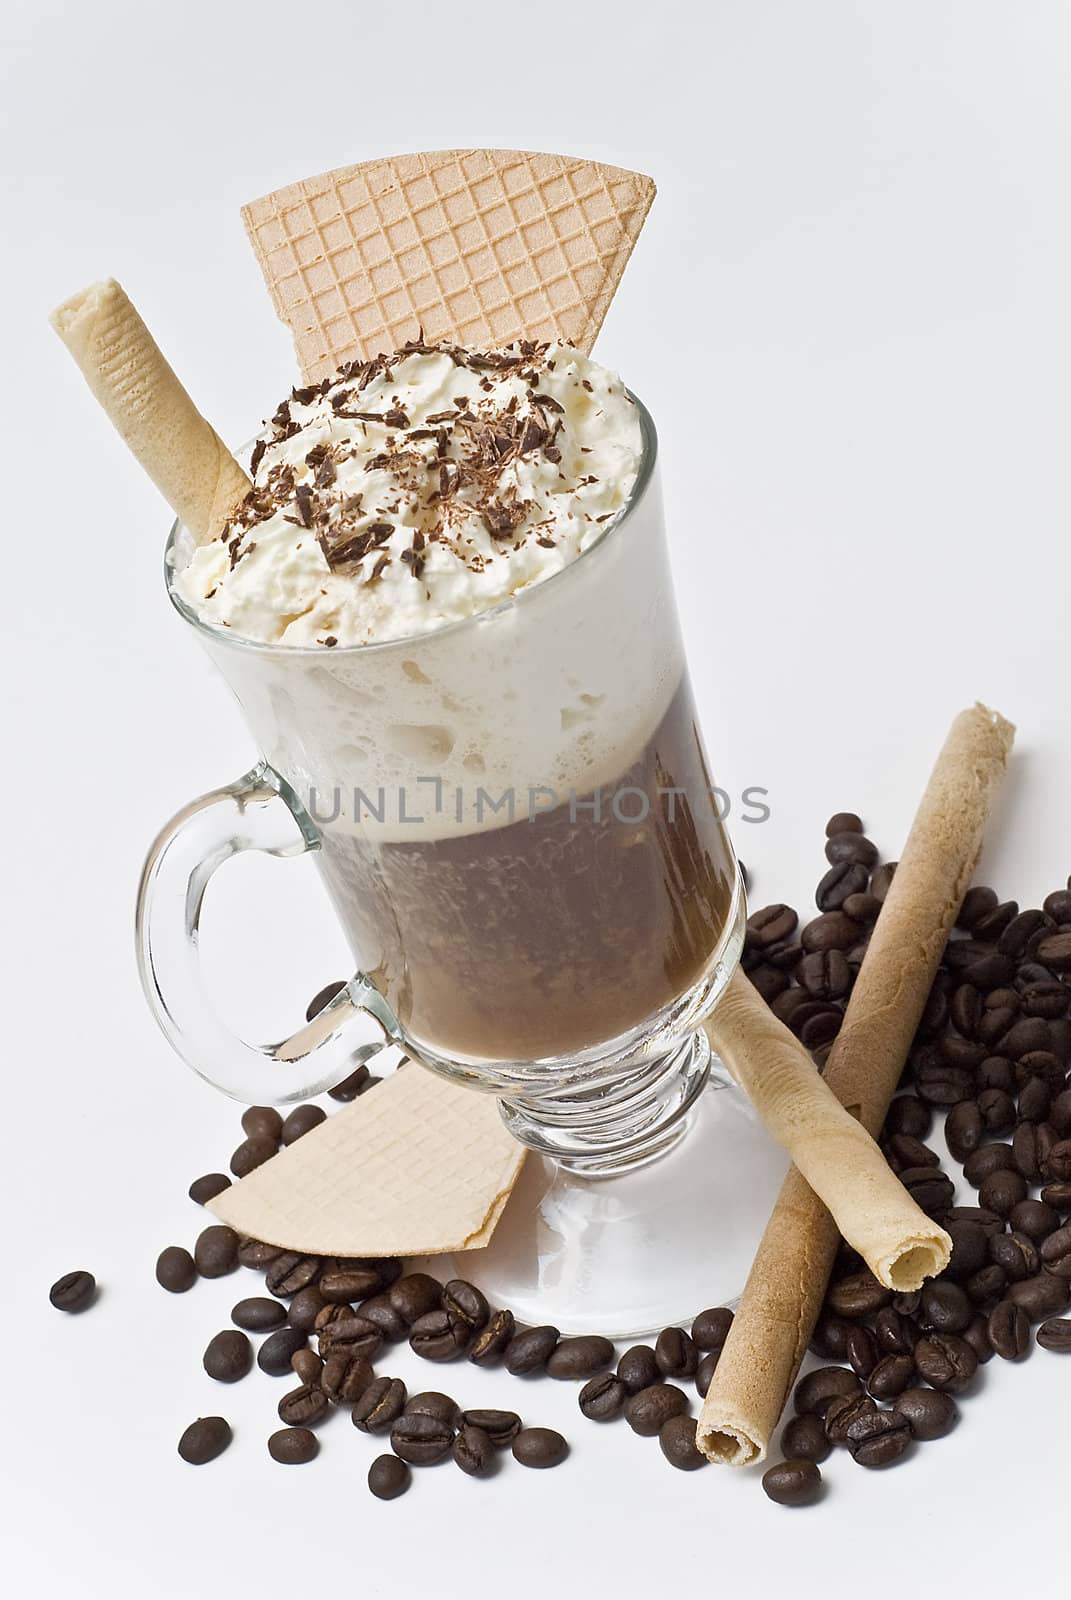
787	1282
125	368
901	1245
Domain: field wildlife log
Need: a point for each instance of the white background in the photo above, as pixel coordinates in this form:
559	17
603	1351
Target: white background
849	314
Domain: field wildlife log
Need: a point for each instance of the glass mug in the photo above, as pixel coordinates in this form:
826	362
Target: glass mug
516	825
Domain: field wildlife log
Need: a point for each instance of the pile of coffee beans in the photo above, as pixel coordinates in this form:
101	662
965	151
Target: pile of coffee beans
991	1058
990	1061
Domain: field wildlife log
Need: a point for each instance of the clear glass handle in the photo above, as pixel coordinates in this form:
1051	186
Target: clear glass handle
255	813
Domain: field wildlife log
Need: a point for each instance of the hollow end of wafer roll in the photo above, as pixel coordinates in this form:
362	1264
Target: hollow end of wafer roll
907	1268
728	1446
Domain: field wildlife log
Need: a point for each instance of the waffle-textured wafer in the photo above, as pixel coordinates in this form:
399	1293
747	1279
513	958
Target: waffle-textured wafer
480	246
420	1166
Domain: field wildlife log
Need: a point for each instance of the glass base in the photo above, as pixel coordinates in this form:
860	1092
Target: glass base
633	1253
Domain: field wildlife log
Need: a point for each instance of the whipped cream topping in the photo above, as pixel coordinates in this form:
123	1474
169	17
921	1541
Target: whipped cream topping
418	489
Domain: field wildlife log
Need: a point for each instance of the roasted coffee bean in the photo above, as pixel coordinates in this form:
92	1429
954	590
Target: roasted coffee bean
1025	1037
530	1350
358	1280
304	1407
500	1427
861	907
964	1129
228	1356
908	1114
380	1405
1057	1195
945	1307
251	1154
355	1084
786	1005
388	1477
905	1152
941	1084
491	1342
879	1439
1027	1156
1058	905
307	1367
830	1337
1035	1219
859	1295
582	1357
970	1251
988	1221
1044	1295
804	1438
833	930
464	1303
253	1253
769	981
432	1403
996	1021
993	923
1021	930
420	1439
770	925
1035	1098
290	1272
945	1361
292	1447
276	1354
976	1334
305	1307
881	880
323	998
895	1333
675	1353
382	1315
677	1440
1009	1330
74	1292
705	1371
1056	1251
258	1315
987	1284
1056	1162
987	1160
1042	1064
352	1335
850	846
415	1295
216	1251
965	1009
818	1032
345	1377
602	1398
843	822
843	1411
539	1447
1060	1112
206	1439
201	1191
964	1054
977	903
1002	1191
825	975
907	1302
1055	1334
473	1452
1047	998
793	1483
175	1270
301	1121
929	1187
996	1072
785	957
262	1122
647	1411
437	1337
814	1393
891	1376
929	1413
862	1352
844	879
638	1368
1054	950
1016	1253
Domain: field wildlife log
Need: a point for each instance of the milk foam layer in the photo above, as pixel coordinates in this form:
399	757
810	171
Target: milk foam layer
418	490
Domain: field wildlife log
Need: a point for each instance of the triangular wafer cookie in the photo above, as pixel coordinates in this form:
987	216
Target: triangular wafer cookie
417	1167
480	246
